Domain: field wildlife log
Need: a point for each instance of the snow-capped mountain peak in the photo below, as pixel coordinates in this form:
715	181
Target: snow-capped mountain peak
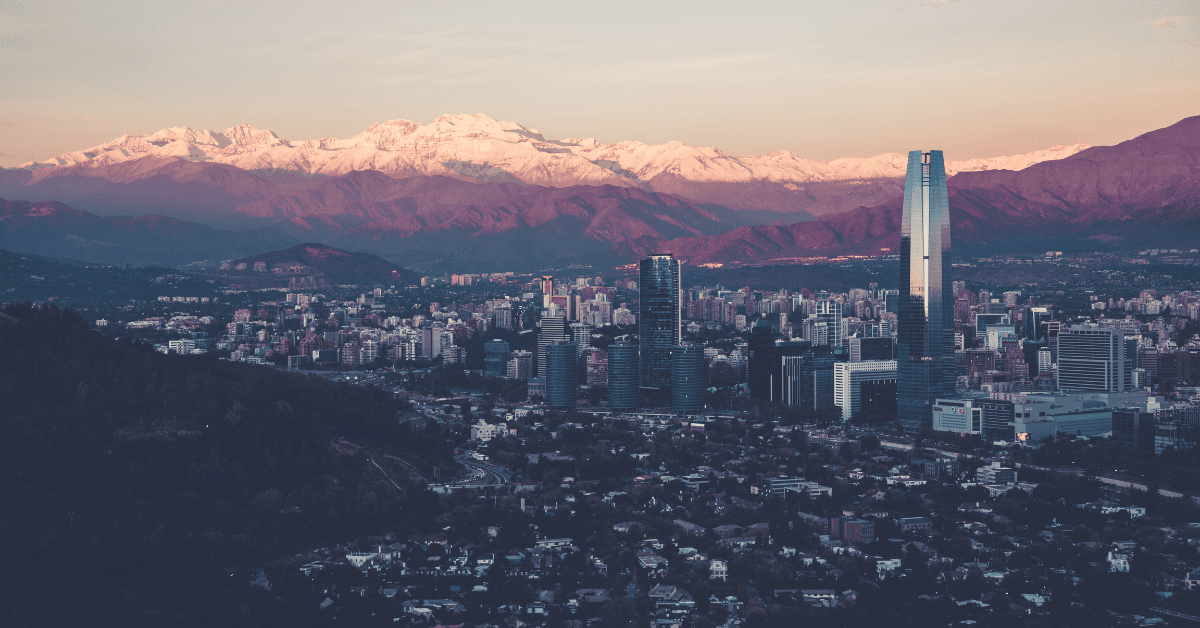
481	148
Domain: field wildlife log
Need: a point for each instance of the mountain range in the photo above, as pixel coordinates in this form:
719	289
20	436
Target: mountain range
472	192
480	149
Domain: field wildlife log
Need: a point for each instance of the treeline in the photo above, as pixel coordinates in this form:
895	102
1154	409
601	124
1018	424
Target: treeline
146	489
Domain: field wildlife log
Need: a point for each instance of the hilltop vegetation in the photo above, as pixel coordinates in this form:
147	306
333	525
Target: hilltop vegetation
144	489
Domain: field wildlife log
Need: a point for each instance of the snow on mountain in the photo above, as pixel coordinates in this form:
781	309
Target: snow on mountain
482	149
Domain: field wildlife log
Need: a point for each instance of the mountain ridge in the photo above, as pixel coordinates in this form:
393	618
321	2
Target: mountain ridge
480	149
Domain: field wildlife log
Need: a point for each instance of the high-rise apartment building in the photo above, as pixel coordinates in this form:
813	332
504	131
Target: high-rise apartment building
1092	358
925	342
660	318
520	365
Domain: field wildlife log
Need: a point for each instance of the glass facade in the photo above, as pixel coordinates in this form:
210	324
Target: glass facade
659	323
761	360
562	366
495	358
925	338
687	379
623	390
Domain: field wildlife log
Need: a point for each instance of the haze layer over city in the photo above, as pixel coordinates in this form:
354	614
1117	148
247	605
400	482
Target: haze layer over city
564	316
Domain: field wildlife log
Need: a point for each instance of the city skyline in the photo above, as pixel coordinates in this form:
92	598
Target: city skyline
568	315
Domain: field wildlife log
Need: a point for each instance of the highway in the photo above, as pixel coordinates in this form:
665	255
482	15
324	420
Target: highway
482	474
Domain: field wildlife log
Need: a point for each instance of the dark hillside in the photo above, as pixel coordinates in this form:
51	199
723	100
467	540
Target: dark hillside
144	489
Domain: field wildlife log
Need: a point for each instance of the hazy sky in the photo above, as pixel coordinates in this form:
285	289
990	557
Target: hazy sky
822	79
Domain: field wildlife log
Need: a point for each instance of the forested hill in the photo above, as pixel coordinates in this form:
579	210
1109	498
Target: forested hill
138	488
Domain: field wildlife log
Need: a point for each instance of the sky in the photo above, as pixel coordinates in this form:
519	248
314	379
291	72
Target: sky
822	79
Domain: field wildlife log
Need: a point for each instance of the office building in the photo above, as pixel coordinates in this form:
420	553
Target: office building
495	358
782	485
1092	358
431	342
875	378
925	343
581	335
784	374
687	379
660	318
1133	429
562	372
1035	322
994	472
872	348
830	313
761	360
623	372
554	329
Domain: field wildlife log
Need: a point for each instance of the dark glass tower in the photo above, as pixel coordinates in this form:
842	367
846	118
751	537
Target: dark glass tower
925	339
762	359
659	322
623	367
687	379
562	366
495	358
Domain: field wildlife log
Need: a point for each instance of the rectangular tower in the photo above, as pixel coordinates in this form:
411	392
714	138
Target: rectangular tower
659	324
925	342
1092	358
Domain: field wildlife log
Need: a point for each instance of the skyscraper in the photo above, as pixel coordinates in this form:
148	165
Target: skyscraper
687	379
659	322
762	358
830	313
562	375
554	328
623	390
1092	358
925	342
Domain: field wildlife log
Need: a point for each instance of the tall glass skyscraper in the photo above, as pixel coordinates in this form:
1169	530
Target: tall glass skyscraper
925	338
687	379
562	370
623	390
659	322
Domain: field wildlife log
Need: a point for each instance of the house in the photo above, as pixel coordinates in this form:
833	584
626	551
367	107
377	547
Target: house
689	527
885	566
662	591
1118	561
718	569
651	562
1192	580
592	596
913	524
554	544
819	597
727	530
